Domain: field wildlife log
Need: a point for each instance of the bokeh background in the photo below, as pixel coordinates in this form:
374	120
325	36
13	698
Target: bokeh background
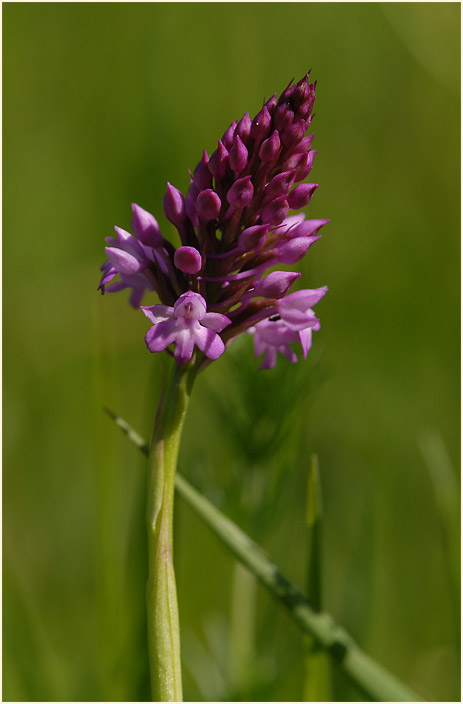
103	103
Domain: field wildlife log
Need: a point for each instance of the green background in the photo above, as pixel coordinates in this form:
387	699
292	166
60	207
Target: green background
103	103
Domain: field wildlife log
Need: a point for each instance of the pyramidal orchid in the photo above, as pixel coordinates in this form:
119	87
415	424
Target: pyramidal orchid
235	231
232	273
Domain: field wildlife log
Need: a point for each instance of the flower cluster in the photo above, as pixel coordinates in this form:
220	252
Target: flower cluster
236	231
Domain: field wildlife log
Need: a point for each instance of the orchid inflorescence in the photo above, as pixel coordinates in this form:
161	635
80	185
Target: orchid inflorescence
234	226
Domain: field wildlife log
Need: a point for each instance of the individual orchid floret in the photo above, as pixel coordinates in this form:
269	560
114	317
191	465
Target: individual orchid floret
186	324
296	309
131	260
271	337
294	322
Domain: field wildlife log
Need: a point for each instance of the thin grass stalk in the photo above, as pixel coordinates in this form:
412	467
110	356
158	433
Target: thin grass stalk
371	679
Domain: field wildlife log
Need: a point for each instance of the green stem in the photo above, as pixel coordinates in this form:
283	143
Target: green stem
373	680
161	595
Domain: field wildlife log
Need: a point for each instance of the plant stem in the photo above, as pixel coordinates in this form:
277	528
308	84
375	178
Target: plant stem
161	595
373	680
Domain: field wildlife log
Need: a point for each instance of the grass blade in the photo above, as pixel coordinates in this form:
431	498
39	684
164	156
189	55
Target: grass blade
373	680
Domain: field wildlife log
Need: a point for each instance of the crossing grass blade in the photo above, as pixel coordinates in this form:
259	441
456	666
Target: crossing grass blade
371	679
317	685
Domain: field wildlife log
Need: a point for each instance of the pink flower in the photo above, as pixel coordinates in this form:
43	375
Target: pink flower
186	324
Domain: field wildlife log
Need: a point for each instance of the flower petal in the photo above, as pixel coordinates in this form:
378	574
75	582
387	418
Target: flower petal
215	321
209	342
161	335
123	262
158	313
184	344
305	337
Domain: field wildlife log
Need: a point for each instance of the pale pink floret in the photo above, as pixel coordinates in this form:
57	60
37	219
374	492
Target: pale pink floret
186	324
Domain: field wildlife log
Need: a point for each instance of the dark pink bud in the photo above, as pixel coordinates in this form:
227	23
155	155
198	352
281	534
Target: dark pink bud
305	144
208	205
280	184
202	176
301	162
238	157
293	134
276	211
302	92
261	124
227	138
243	128
287	93
253	238
241	193
271	103
270	148
301	195
305	100
174	205
276	284
190	205
218	161
188	260
283	118
306	228
293	250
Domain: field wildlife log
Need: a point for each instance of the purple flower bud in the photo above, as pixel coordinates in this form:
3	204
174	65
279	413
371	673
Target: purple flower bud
293	250
302	163
270	148
218	161
305	144
190	205
238	157
271	103
301	195
188	260
287	94
253	238
146	227
283	118
208	205
174	205
276	284
280	184
275	212
304	228
243	128
302	92
227	138
292	135
202	177
241	193
261	124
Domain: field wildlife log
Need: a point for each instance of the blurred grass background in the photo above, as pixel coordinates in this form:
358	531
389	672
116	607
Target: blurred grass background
103	103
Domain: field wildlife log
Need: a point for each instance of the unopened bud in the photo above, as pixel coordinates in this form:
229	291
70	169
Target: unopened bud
253	238
241	193
188	260
270	148
174	205
238	157
276	284
208	205
275	212
301	195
